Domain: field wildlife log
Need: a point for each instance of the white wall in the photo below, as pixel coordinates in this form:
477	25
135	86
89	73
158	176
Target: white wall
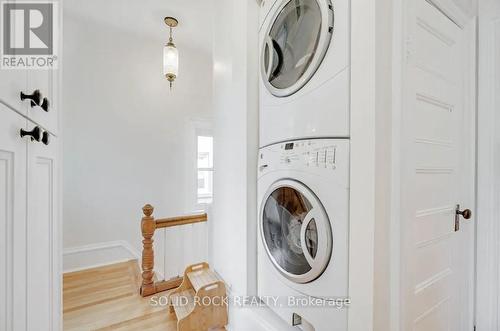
235	106
125	132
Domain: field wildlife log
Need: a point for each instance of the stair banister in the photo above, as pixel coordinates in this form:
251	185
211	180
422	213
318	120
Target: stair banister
148	228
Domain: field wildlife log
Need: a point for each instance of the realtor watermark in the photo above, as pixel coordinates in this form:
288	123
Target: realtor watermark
253	301
29	34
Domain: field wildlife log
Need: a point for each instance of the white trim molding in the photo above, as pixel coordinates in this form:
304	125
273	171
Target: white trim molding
362	209
488	174
97	255
452	11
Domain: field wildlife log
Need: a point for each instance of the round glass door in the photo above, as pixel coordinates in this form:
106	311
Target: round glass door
296	231
295	45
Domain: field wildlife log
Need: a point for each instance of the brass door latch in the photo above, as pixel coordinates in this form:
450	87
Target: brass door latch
466	214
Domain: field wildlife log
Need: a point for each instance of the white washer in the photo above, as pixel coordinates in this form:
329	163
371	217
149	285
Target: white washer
303	195
304	69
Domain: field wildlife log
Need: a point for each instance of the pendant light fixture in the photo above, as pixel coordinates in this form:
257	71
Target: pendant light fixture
170	54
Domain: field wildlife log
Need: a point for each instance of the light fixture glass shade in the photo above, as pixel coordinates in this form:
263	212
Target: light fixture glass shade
170	61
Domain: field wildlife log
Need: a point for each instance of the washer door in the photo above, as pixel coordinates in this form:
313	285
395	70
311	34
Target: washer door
295	231
295	44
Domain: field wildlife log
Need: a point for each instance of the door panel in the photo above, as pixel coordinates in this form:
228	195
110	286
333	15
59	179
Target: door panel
12	221
6	223
434	224
438	319
42	261
435	264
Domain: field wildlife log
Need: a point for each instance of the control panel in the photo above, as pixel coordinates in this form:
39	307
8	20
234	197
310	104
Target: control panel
311	154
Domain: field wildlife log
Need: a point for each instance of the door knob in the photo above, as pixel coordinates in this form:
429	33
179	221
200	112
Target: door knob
45	138
45	104
466	214
35	97
35	134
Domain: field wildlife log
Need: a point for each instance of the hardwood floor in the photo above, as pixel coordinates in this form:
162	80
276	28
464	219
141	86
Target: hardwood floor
107	298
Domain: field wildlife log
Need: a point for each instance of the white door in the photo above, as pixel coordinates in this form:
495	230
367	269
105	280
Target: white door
43	276
437	173
12	221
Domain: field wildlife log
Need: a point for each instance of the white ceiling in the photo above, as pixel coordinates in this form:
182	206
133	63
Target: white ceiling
145	17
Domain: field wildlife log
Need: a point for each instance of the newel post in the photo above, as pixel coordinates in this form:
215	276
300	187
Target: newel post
148	227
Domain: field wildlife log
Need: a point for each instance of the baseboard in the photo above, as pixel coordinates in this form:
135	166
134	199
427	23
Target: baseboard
253	318
97	255
256	318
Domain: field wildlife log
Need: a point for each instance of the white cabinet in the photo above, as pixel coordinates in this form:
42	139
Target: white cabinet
42	233
30	229
12	82
30	275
46	82
12	221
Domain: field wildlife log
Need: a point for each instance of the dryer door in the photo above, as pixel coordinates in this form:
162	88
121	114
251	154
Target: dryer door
295	231
295	44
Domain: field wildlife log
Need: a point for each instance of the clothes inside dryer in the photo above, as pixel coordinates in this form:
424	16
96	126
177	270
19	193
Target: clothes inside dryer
290	233
283	216
293	41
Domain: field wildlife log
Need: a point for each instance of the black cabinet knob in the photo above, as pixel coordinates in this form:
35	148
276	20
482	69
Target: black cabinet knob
35	134
45	104
35	97
45	138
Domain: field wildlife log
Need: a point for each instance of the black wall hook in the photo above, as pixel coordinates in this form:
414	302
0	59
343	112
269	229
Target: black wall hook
45	104
35	134
35	97
45	138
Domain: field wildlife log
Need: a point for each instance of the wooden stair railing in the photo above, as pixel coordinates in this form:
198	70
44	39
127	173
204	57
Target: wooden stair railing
148	227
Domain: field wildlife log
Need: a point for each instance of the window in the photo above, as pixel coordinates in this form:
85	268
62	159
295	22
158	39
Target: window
205	169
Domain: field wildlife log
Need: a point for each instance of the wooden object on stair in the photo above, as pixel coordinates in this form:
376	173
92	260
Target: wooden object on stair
148	228
199	302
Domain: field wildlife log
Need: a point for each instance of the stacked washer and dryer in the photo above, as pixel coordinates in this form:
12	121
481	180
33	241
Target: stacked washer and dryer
303	179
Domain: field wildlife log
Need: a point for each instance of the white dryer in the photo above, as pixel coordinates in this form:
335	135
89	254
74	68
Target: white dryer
304	69
303	195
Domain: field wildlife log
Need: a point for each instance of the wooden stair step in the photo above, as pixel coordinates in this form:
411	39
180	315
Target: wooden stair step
200	278
183	303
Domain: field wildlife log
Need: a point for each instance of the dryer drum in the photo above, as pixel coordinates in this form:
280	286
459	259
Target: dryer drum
296	232
295	45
